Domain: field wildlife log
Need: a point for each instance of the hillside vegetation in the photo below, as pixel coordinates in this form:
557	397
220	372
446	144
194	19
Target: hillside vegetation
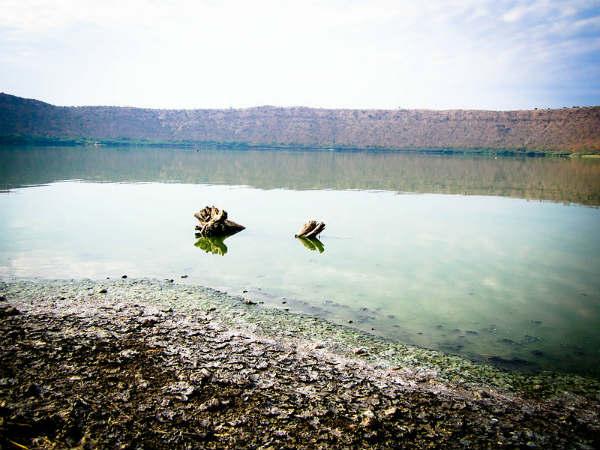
562	130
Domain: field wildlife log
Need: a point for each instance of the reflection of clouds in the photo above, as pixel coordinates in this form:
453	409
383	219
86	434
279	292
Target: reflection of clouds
490	282
40	264
429	238
586	312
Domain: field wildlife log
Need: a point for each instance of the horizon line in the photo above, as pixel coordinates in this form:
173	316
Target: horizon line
325	108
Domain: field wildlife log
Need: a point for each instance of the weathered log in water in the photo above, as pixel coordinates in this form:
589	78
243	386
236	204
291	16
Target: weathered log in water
311	229
214	222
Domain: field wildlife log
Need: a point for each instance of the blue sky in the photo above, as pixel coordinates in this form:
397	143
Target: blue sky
434	54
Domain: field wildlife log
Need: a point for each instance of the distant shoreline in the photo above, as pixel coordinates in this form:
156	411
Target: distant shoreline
562	131
6	141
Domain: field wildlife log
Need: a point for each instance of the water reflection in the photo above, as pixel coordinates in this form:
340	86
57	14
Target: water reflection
491	278
312	244
486	277
214	245
564	180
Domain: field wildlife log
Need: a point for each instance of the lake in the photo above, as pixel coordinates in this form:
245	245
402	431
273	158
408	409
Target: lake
496	259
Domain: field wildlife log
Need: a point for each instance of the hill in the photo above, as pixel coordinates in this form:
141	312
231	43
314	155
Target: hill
559	130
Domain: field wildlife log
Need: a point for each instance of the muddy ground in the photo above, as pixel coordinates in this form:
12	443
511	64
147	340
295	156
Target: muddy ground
122	364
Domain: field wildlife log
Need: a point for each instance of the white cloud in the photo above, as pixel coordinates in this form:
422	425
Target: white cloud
515	14
475	53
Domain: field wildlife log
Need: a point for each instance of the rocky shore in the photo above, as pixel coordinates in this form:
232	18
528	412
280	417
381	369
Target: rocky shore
156	364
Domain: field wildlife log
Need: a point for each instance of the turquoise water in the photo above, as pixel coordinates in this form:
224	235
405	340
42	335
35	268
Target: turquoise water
508	280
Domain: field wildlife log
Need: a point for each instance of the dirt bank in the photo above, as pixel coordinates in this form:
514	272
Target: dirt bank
148	364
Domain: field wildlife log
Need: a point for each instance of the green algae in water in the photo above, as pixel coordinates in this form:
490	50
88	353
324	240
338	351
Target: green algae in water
425	365
214	245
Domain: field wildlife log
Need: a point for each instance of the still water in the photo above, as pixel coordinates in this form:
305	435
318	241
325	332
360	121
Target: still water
494	259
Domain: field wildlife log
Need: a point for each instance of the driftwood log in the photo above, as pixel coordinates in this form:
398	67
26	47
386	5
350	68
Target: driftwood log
311	229
214	223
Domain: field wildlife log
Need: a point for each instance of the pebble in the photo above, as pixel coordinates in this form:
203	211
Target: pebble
7	311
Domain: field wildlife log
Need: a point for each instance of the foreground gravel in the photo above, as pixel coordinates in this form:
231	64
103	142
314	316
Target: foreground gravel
149	364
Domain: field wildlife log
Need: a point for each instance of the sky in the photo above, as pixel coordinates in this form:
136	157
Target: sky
434	54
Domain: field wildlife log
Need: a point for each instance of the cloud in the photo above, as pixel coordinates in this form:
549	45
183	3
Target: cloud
474	53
